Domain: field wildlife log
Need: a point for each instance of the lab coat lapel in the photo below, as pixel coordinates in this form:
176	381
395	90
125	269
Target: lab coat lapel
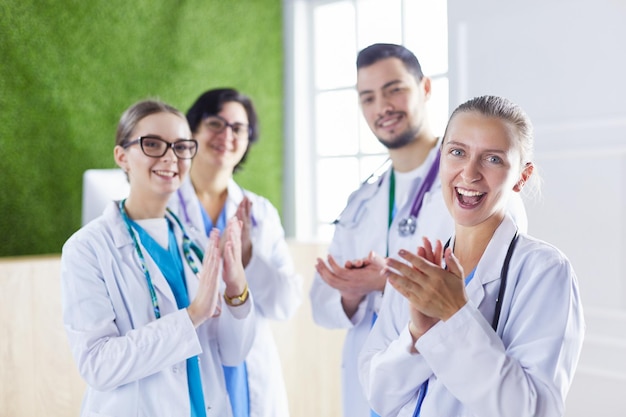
490	264
235	195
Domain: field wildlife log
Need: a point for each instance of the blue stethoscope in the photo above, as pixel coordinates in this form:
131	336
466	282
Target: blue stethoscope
408	225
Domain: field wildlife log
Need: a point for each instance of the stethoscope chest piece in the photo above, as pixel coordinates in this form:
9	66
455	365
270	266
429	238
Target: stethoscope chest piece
407	226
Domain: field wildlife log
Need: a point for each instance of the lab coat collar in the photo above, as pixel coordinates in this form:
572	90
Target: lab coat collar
490	264
121	238
119	231
235	195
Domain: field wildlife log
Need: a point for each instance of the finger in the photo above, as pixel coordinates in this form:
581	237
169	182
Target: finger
334	266
428	248
375	259
212	247
438	253
418	262
243	210
453	264
322	268
401	268
357	263
409	289
233	232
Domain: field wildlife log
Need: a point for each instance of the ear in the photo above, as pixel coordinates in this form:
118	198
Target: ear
121	159
526	173
426	85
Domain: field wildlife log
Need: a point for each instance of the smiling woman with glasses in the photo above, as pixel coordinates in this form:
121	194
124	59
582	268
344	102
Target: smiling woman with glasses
141	292
224	122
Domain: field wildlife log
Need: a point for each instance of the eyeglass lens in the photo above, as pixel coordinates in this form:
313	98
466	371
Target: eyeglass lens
217	125
157	147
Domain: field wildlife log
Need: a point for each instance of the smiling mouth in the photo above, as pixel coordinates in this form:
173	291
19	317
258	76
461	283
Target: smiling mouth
389	120
468	198
219	148
169	174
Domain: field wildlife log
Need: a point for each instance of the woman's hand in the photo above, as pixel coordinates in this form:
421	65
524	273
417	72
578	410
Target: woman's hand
244	214
205	304
430	289
233	273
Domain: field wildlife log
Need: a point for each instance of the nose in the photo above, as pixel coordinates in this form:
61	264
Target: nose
227	134
471	172
169	154
383	106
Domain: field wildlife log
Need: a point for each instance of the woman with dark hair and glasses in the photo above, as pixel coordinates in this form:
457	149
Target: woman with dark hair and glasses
141	303
224	122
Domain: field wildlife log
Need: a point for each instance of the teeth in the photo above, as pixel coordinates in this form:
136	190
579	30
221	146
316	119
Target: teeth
165	173
468	193
388	122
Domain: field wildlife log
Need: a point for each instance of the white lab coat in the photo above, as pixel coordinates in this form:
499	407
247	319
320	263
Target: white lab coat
135	365
277	290
524	370
361	228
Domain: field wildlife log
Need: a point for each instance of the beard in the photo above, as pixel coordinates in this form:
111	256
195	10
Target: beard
401	139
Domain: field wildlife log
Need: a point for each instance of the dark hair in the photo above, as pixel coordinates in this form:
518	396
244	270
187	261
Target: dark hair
138	111
380	51
211	102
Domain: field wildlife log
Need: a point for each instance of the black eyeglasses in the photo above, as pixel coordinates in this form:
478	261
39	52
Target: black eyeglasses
217	124
155	147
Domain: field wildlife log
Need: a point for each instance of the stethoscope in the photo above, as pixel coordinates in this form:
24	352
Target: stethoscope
183	205
496	317
504	272
189	248
408	225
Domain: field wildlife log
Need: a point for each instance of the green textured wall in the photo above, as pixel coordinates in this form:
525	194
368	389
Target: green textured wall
68	69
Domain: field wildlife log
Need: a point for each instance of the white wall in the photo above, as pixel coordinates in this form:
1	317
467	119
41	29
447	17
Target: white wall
563	61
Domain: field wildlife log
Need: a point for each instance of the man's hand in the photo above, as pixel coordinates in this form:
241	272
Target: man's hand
355	280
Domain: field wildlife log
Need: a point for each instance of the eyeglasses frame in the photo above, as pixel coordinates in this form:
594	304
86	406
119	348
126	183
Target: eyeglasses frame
227	125
169	145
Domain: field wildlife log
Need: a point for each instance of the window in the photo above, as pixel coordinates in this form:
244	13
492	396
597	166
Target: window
330	145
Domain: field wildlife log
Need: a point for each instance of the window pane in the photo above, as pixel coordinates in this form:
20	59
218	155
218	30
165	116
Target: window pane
426	33
334	35
372	164
337	123
336	179
378	21
438	105
325	232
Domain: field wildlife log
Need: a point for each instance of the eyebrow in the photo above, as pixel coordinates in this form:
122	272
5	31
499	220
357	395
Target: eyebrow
462	145
386	85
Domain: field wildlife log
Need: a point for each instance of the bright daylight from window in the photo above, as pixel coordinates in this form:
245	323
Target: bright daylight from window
345	151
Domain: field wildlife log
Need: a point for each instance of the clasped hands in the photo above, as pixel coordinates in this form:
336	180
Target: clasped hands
434	293
355	279
226	252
